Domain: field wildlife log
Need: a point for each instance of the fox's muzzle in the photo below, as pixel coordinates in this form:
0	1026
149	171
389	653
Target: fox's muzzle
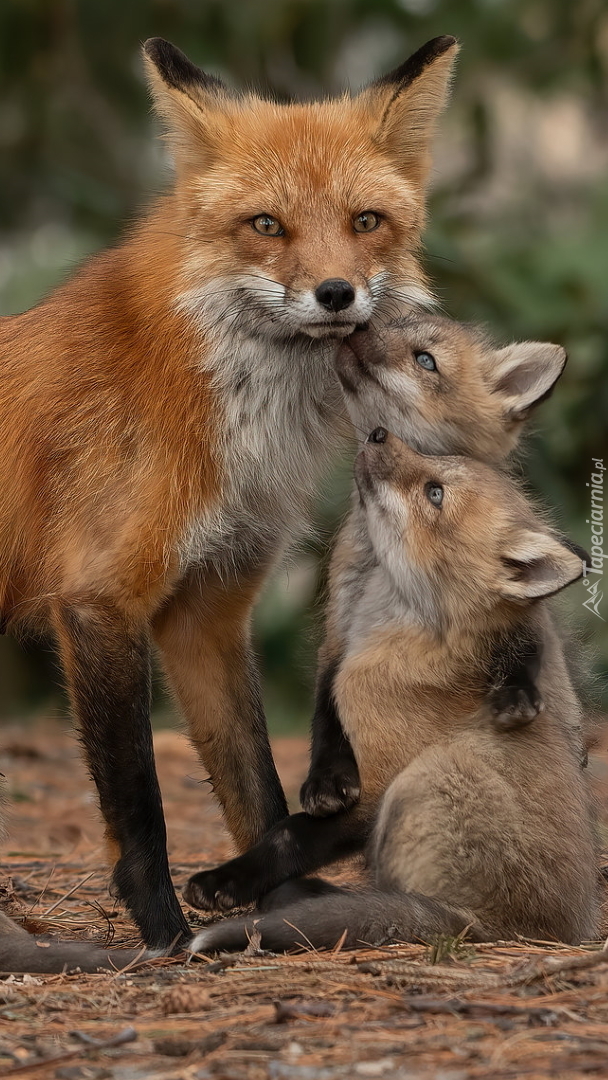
335	294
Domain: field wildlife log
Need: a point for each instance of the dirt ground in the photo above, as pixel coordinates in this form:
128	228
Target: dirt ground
514	1009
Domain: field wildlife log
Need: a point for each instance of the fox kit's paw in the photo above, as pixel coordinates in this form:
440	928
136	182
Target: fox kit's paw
515	706
327	791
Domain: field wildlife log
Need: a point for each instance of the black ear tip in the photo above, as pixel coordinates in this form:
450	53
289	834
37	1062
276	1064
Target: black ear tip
154	48
441	44
172	64
175	69
413	67
435	48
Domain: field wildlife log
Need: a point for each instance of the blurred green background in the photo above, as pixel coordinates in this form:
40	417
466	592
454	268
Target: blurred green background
519	214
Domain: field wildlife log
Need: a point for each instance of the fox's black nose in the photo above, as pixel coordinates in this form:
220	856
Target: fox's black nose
379	434
335	294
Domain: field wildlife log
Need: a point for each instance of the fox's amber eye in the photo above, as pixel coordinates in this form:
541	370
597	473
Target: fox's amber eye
267	225
366	222
426	361
434	493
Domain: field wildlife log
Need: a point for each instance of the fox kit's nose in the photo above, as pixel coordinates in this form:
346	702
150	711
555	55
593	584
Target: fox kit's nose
379	434
335	294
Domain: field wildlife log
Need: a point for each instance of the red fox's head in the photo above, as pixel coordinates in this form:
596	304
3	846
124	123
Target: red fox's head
300	218
459	539
443	386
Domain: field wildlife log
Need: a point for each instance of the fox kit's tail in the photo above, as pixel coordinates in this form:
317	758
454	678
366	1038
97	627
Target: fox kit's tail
320	917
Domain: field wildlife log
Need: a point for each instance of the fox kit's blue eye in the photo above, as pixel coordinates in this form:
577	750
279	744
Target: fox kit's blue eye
426	361
434	493
267	225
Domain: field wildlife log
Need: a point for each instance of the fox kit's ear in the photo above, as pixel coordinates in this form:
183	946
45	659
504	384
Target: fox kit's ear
536	564
185	97
524	374
407	102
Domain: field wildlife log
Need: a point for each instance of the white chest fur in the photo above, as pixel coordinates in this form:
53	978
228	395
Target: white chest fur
281	421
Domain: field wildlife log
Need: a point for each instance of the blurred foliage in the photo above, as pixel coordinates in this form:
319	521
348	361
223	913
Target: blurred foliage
519	209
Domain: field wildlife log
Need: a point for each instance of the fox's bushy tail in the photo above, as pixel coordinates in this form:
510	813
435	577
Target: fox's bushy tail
368	916
20	952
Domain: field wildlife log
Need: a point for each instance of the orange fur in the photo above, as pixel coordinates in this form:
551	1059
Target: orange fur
203	624
106	436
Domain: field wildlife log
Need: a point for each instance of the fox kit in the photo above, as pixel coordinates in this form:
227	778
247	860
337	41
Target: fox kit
166	415
445	389
479	829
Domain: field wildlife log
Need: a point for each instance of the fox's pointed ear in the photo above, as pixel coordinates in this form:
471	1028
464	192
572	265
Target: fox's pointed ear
407	102
524	374
184	96
536	563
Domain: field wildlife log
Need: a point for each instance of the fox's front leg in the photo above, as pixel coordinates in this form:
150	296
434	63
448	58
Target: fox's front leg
106	658
204	636
297	845
332	783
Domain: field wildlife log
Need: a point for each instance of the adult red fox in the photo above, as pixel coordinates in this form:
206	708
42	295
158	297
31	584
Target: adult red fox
166	415
476	830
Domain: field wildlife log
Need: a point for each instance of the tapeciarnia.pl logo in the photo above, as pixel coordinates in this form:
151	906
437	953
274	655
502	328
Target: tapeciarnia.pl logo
594	572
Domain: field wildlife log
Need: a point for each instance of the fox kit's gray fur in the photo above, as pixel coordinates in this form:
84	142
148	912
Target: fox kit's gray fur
444	388
475	828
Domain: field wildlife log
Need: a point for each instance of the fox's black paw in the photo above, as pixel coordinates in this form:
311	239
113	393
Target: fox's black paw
330	790
218	890
515	706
